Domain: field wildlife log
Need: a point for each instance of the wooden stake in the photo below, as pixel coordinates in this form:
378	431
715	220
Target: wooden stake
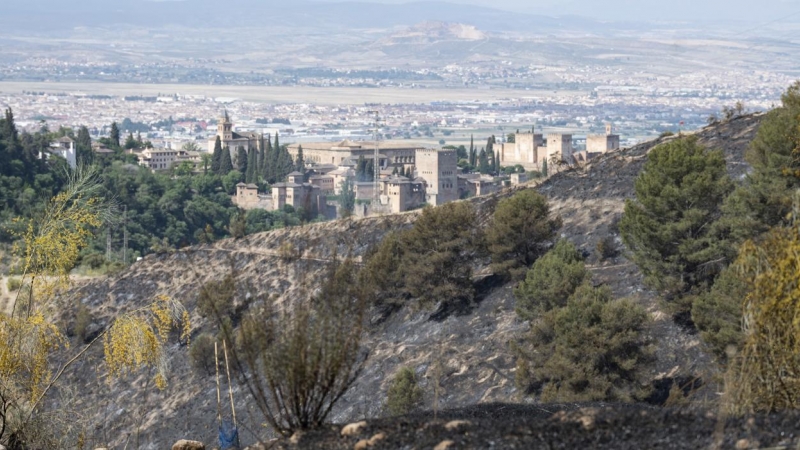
230	387
219	398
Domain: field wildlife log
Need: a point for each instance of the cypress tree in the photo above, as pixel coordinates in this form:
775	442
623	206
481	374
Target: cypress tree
496	161
241	159
288	165
225	163
274	162
266	155
361	168
259	169
284	160
84	146
544	168
130	143
115	134
471	154
216	158
369	170
483	162
251	176
300	165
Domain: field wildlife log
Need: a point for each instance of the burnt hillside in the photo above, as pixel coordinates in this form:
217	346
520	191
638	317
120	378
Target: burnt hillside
287	263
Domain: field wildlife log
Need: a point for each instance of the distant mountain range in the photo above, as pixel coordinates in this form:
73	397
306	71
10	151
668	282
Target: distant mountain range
41	16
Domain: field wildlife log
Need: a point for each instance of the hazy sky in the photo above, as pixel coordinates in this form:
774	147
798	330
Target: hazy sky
754	11
750	14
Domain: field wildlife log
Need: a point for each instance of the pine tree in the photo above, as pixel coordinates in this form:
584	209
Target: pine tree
765	198
520	232
216	158
241	159
225	163
115	134
668	228
300	165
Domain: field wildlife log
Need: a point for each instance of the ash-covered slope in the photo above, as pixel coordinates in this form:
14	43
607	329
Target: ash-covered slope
473	346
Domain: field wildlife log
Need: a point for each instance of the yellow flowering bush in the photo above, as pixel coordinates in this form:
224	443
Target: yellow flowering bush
48	247
765	376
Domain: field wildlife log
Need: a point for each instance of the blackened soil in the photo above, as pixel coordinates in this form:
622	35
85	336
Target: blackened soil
575	426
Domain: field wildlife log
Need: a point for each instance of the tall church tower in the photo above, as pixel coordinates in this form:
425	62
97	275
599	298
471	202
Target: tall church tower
225	128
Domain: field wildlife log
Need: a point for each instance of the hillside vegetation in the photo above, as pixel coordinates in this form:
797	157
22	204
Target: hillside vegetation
611	282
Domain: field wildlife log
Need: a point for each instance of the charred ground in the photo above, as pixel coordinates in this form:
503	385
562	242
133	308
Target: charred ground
473	344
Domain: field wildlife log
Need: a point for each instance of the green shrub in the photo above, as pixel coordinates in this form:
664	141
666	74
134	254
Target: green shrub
83	318
606	248
302	360
717	314
428	262
13	284
383	276
287	252
765	199
201	354
592	349
216	298
94	260
521	228
551	280
762	376
404	395
238	226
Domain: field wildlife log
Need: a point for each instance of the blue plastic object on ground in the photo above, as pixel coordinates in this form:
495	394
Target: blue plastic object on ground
228	436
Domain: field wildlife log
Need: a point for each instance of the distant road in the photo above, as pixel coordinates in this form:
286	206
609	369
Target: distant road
283	94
